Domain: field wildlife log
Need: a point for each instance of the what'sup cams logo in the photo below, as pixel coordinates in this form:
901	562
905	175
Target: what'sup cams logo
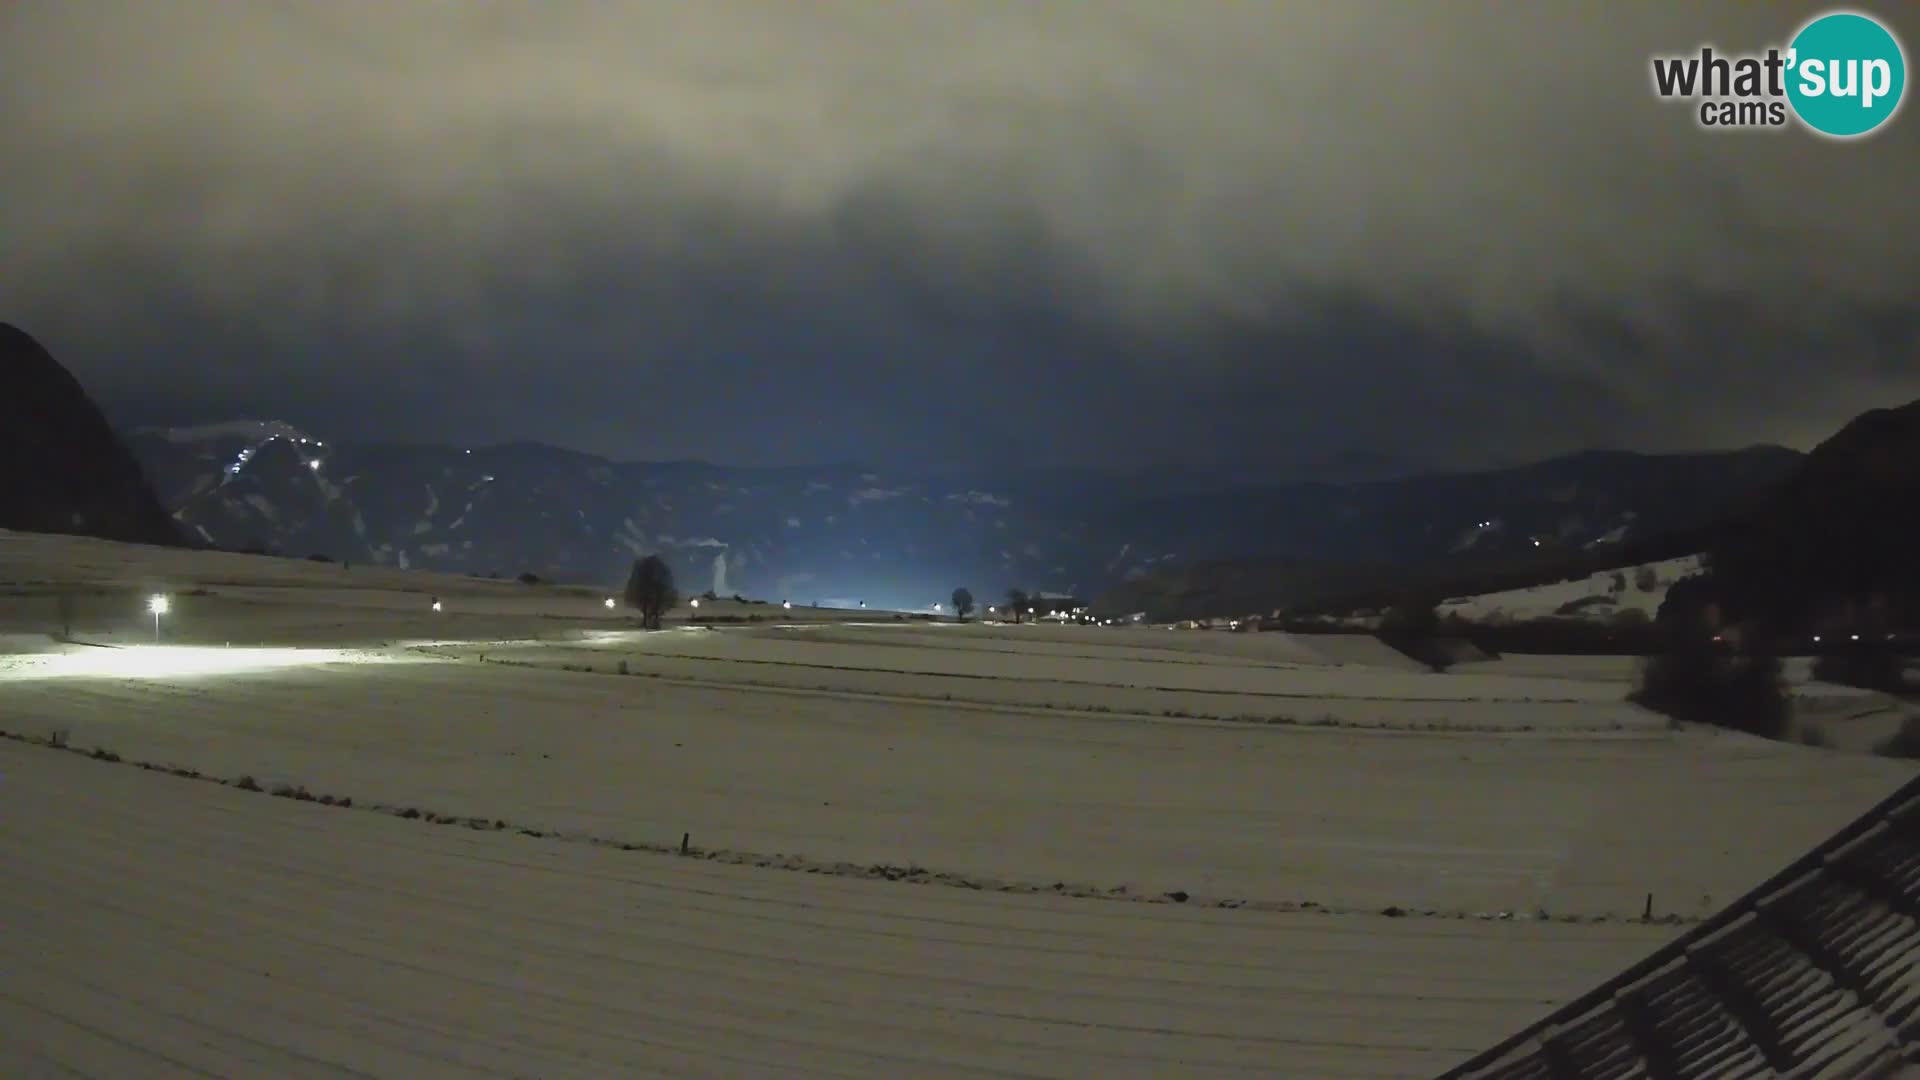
1842	75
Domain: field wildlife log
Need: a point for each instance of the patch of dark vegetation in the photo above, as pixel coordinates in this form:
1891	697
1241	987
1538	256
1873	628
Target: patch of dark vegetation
1575	607
1413	628
1814	736
1904	743
1703	675
1627	633
247	783
1868	660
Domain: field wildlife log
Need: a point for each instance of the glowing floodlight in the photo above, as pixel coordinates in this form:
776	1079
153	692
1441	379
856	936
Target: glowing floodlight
314	464
436	605
788	604
158	604
609	603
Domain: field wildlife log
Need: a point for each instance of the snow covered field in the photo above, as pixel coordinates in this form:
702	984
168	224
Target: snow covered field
1596	596
912	849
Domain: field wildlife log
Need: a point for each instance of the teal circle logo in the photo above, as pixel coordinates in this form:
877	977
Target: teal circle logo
1847	74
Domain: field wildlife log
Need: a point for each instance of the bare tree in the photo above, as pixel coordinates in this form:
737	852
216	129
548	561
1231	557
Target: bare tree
962	602
1018	600
650	590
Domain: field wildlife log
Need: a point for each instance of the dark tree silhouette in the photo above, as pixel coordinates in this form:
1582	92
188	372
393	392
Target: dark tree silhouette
650	590
1018	600
1700	677
962	603
1411	619
1412	626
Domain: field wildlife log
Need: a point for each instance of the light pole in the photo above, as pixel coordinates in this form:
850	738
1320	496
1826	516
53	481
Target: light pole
158	605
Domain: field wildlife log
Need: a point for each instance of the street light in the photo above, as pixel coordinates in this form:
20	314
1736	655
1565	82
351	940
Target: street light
158	604
609	603
788	604
436	605
695	602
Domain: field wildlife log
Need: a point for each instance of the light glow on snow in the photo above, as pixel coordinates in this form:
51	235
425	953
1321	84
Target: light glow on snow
168	661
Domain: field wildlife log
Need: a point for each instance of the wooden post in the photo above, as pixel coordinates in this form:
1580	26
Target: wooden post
684	838
1646	915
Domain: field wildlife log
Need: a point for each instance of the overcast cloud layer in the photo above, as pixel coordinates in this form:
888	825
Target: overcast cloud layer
775	232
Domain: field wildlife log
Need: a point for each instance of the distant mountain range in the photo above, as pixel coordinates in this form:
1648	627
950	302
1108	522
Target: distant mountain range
843	534
1169	540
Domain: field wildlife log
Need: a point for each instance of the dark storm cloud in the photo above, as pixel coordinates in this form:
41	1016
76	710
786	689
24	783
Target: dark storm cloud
809	231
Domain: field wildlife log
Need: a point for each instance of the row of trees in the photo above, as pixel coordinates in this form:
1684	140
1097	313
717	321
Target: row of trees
650	591
1017	602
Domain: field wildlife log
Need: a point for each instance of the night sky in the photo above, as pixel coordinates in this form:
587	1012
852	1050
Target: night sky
957	232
